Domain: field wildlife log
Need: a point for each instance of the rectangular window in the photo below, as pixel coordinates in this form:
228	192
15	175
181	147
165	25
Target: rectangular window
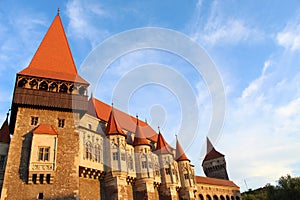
168	171
44	153
90	126
115	156
34	178
144	164
48	178
2	162
34	120
186	176
61	123
123	157
41	178
157	173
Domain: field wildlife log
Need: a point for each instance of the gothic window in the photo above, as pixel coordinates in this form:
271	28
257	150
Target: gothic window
130	163
82	90
44	153
144	164
88	150
97	153
115	156
34	120
33	84
123	157
168	171
43	86
63	88
186	176
53	87
61	123
22	82
71	88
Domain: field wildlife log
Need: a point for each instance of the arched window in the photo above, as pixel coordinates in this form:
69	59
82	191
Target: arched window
227	197
22	82
97	153
71	88
88	150
222	197
33	84
208	197
237	198
43	86
82	90
63	88
53	87
232	197
201	197
216	197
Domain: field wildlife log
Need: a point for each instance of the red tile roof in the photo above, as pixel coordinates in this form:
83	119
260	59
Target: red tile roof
162	147
139	137
180	155
113	127
53	59
4	132
215	181
211	153
45	129
102	110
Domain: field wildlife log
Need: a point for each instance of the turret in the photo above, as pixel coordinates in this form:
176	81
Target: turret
186	171
214	164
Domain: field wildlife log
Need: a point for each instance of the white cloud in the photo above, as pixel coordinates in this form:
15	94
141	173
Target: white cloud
289	38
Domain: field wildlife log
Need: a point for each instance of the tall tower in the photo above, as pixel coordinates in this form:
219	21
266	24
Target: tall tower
187	177
214	164
48	100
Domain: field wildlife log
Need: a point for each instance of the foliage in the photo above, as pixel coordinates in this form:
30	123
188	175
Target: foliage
288	188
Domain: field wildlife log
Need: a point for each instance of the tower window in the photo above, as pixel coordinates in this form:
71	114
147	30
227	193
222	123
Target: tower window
41	196
44	153
115	156
186	176
2	162
61	123
34	120
48	178
168	171
34	178
144	164
41	178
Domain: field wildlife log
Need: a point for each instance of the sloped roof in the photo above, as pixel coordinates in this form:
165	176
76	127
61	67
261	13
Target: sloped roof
4	132
45	129
180	155
126	122
162	147
53	59
211	153
139	136
113	127
215	181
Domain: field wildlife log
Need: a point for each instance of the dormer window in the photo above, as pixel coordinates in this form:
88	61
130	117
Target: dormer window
61	123
34	120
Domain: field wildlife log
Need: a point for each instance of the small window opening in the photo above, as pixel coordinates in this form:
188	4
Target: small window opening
34	178
41	178
48	178
34	120
44	153
61	123
41	196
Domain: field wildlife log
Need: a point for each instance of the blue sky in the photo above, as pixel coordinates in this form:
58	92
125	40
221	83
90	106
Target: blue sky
255	46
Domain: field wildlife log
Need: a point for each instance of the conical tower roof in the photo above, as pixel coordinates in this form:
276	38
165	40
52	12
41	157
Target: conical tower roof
211	153
139	137
162	146
4	132
113	127
180	155
53	59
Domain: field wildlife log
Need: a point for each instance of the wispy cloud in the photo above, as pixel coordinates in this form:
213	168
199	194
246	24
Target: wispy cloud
289	37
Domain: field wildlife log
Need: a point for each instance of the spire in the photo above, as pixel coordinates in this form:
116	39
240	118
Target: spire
180	155
139	137
211	153
162	146
4	131
53	59
113	127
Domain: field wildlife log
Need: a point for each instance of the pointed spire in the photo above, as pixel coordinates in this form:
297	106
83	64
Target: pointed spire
58	11
211	153
53	59
139	137
180	155
162	146
113	127
4	131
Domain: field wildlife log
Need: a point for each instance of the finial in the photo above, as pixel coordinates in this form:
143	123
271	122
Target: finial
7	114
158	129
146	120
137	119
176	136
112	104
58	11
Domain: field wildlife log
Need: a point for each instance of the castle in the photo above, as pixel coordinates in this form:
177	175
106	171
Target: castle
60	144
